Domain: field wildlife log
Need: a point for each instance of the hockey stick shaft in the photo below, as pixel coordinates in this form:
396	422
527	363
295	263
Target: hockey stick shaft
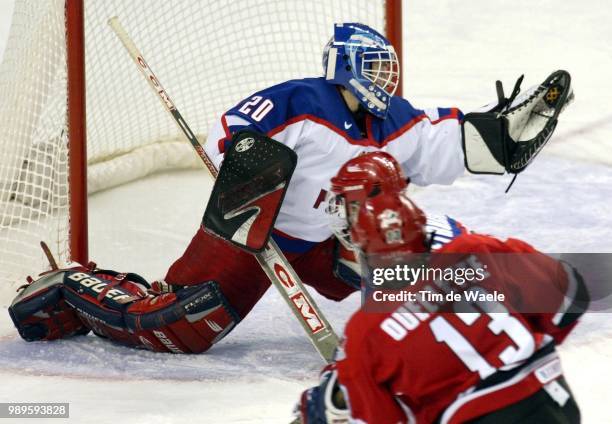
272	260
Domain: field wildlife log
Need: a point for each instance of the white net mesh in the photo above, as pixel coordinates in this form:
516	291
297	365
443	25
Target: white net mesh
207	54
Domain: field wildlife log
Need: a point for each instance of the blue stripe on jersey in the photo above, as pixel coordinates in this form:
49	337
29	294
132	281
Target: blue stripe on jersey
443	112
454	226
292	245
444	233
446	112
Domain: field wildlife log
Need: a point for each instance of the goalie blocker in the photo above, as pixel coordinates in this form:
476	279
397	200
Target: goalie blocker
507	136
249	190
121	307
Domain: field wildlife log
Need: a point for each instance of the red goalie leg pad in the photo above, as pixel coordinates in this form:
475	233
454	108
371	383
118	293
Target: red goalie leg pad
114	306
316	267
200	334
188	321
100	300
209	258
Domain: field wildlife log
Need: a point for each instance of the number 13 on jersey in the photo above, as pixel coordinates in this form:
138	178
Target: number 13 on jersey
500	323
463	337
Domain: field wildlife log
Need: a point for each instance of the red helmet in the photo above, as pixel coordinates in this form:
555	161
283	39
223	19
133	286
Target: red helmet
367	175
389	223
357	180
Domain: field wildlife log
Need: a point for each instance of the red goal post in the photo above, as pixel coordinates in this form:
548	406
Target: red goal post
236	47
77	130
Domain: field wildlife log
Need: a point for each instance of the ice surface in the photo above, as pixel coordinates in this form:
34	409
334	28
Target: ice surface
259	369
453	53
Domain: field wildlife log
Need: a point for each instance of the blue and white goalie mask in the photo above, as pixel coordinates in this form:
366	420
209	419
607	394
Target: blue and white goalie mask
365	63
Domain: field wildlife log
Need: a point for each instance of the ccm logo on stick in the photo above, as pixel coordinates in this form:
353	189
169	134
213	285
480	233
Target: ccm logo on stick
284	276
155	82
310	316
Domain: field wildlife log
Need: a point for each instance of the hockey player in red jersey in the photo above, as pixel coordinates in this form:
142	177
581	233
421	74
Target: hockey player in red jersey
416	364
327	121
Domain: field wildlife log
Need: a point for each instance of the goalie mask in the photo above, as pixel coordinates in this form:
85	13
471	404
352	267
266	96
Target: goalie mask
357	180
364	62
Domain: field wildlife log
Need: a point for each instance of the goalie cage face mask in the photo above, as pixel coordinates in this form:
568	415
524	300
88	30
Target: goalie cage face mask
364	62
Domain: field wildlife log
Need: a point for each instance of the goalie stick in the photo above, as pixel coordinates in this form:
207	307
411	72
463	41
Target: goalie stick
273	262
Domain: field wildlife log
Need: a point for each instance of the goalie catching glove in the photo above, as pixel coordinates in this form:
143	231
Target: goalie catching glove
507	136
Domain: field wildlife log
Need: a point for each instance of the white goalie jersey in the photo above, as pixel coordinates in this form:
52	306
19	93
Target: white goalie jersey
310	116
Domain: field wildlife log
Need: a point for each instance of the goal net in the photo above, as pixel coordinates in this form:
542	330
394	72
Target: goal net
209	55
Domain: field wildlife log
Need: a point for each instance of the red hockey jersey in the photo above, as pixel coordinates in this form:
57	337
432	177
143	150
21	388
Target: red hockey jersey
422	366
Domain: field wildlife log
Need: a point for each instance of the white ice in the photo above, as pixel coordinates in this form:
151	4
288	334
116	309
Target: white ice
453	52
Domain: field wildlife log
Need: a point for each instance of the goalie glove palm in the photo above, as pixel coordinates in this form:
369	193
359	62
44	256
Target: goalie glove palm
507	137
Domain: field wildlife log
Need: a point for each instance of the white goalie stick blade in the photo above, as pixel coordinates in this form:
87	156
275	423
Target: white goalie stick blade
272	260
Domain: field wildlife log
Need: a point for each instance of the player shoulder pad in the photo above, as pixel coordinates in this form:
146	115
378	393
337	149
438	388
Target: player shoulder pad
520	246
273	108
474	243
481	243
402	109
